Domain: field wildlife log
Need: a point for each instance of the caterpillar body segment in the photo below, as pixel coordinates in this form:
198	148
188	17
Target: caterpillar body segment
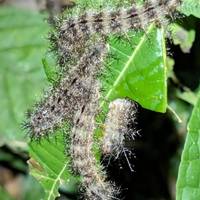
119	129
69	95
94	181
120	20
119	125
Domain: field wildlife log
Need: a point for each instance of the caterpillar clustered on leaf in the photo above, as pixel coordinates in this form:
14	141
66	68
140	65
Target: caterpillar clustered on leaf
75	98
119	127
71	35
119	121
120	20
68	96
94	183
93	179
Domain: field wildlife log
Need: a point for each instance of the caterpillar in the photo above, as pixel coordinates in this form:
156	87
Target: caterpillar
80	105
119	126
76	97
68	96
93	179
120	20
73	32
69	49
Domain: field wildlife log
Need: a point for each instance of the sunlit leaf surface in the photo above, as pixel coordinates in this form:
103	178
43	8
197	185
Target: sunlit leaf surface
139	70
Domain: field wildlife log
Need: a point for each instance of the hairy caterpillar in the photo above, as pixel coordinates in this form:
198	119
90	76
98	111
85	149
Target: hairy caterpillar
71	93
94	180
120	20
74	32
75	98
119	126
69	49
79	104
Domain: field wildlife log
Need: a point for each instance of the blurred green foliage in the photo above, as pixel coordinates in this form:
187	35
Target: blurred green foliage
22	46
189	177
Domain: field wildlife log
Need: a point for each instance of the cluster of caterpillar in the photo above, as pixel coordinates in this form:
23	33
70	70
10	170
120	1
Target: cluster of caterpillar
74	31
75	97
68	96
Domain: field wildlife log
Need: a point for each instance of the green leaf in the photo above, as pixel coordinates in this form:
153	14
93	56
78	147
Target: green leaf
183	37
22	46
31	190
4	195
188	96
140	72
188	183
191	7
49	66
143	80
49	164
